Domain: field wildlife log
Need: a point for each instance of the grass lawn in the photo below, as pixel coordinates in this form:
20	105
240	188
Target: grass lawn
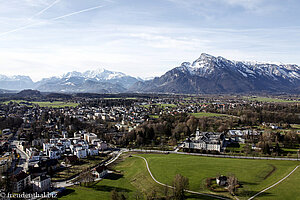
288	189
54	104
134	177
154	116
204	114
236	149
255	175
295	126
266	99
166	105
75	169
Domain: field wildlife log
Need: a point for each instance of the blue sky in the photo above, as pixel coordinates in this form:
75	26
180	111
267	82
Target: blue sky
43	38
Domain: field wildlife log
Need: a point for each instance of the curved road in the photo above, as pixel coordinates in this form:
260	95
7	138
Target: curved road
193	192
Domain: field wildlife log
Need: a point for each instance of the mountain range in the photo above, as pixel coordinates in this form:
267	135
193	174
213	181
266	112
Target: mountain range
96	81
207	74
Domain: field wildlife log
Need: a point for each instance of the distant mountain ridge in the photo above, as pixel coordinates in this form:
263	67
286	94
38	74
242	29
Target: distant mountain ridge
15	82
91	81
209	74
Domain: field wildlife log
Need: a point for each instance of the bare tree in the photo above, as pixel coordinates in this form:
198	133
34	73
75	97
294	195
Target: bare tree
138	195
232	184
85	177
180	183
114	195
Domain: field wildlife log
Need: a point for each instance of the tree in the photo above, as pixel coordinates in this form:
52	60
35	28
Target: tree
232	184
114	195
180	183
138	195
85	177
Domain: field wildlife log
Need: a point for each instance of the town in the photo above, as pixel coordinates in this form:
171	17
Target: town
51	143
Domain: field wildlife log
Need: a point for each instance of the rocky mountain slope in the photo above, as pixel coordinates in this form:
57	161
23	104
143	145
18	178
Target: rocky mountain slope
209	74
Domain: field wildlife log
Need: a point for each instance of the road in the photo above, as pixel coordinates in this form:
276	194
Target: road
212	155
23	161
70	182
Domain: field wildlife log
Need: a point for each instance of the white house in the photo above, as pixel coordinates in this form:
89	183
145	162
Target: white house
89	137
221	180
100	171
102	145
54	153
93	152
41	184
81	153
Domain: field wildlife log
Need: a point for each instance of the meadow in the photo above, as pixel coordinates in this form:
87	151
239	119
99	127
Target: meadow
54	104
207	114
273	100
254	175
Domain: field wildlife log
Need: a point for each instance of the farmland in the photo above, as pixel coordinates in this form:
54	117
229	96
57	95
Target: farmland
54	104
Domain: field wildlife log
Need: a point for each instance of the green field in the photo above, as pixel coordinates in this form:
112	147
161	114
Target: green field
254	175
267	99
288	189
134	177
204	114
154	116
54	104
295	126
77	168
165	105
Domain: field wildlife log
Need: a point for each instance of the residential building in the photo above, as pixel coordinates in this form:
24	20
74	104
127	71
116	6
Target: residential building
41	184
21	181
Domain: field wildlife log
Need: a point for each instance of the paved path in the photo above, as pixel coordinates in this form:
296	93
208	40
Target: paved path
274	183
189	191
70	182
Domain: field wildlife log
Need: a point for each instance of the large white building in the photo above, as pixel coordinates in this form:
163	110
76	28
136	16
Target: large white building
208	141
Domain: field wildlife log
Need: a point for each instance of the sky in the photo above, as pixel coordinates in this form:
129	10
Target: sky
142	38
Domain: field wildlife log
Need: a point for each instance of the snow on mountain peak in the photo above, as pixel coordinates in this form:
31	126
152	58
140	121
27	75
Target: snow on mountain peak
206	64
98	74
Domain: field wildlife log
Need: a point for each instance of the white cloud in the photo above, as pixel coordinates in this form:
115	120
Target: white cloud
248	4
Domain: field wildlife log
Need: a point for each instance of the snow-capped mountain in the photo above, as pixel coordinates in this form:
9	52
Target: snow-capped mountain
15	82
98	81
91	81
209	74
98	74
